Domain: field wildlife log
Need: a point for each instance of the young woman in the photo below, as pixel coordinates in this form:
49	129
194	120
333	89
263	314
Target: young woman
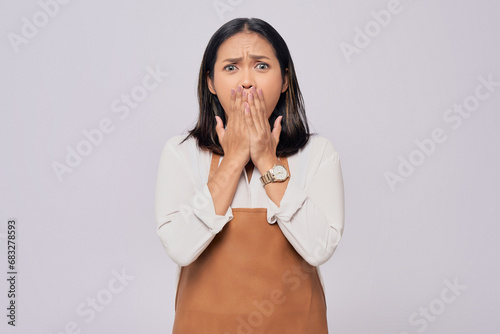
249	204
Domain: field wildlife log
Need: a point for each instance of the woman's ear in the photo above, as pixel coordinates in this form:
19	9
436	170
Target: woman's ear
284	87
211	85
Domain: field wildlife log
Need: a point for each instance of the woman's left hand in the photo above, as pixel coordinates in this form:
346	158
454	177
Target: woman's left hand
263	141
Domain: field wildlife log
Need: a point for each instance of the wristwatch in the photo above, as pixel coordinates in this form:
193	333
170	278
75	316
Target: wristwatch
277	173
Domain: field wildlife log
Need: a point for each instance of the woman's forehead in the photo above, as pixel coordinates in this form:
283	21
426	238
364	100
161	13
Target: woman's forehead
245	44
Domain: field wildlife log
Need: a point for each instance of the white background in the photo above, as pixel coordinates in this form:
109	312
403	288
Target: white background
401	245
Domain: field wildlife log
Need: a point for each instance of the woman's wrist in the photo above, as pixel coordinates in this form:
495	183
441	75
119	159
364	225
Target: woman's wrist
266	163
234	162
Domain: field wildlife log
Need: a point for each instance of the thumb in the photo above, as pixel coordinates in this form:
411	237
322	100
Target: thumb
277	129
219	128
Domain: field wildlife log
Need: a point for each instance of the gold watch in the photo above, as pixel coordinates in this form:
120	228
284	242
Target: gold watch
277	173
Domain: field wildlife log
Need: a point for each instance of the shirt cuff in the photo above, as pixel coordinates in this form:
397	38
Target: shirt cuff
291	202
203	208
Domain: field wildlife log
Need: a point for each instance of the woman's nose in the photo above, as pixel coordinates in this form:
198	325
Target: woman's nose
247	80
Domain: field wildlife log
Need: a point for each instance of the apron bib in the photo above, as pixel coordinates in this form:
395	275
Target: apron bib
249	280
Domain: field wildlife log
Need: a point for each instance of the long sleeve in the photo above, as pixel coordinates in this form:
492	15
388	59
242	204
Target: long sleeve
185	214
311	212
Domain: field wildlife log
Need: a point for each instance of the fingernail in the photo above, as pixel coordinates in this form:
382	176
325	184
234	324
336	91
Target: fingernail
253	90
260	91
238	89
250	96
233	92
244	93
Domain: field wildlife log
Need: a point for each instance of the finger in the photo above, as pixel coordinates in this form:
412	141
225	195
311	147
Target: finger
232	99
258	117
262	101
232	103
244	96
256	98
251	103
277	129
249	121
237	99
244	103
241	108
219	128
256	109
263	108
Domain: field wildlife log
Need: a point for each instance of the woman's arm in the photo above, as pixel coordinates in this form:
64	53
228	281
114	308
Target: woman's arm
312	218
186	217
236	146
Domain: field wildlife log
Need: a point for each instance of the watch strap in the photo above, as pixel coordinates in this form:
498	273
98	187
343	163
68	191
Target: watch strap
266	178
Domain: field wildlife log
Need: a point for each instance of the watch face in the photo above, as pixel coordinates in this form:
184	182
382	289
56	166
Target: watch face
280	173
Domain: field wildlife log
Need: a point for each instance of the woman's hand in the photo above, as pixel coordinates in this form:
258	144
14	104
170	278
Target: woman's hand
234	140
263	141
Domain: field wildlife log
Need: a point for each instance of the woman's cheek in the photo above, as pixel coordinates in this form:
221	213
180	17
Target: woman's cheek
224	101
271	99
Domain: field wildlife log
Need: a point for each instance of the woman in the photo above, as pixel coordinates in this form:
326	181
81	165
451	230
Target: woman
249	204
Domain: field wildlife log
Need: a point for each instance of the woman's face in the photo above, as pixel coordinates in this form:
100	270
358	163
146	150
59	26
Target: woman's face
248	60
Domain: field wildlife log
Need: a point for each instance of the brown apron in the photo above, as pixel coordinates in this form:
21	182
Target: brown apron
248	280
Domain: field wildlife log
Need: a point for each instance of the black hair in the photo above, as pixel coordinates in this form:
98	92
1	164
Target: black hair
295	130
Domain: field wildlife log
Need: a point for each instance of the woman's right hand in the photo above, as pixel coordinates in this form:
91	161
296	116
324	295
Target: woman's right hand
234	139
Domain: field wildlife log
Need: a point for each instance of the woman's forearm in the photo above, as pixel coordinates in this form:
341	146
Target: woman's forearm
222	184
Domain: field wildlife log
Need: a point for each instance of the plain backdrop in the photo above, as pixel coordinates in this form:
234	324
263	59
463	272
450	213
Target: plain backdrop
400	88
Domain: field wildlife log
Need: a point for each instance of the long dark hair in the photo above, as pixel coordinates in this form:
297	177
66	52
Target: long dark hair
295	130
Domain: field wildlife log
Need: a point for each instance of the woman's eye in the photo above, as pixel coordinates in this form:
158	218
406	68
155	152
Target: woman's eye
262	66
230	68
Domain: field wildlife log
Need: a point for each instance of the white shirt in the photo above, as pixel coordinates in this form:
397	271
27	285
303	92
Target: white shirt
310	215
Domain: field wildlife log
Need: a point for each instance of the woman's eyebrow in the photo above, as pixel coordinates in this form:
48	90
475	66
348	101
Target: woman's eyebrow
235	60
